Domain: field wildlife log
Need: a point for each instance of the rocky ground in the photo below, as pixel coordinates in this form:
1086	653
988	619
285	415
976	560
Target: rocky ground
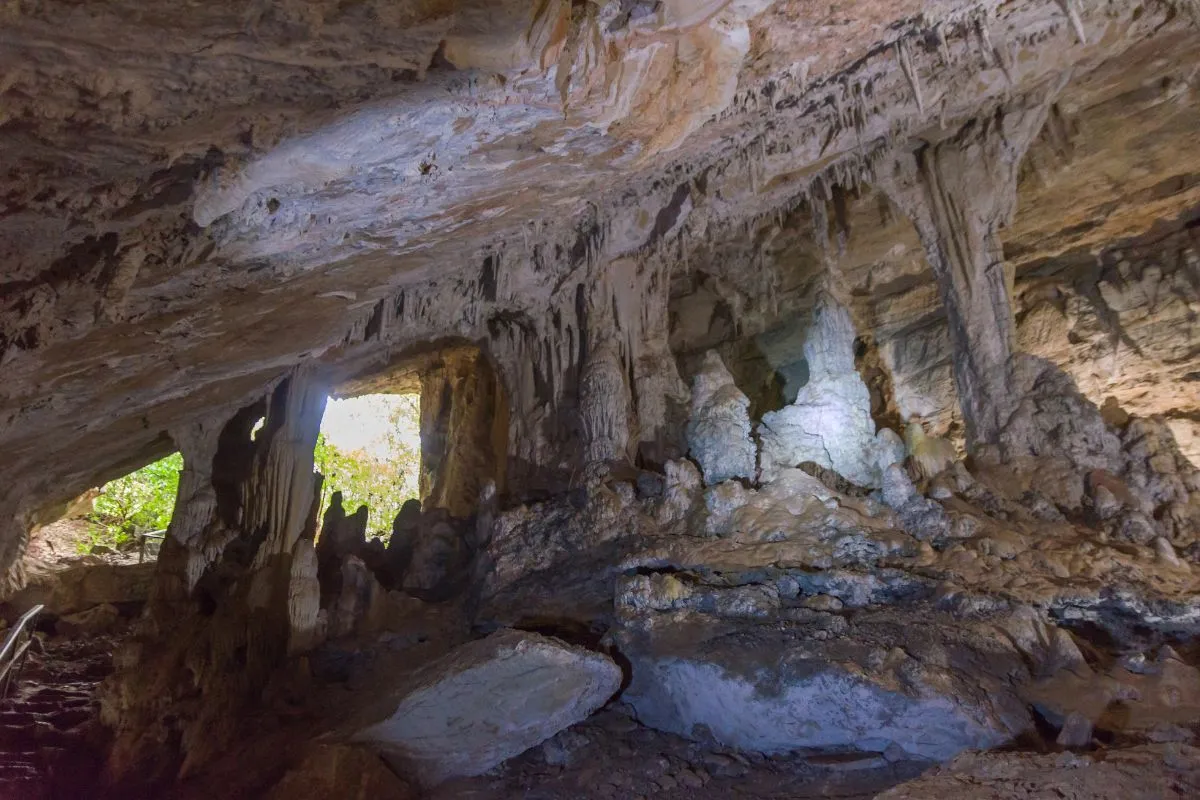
801	639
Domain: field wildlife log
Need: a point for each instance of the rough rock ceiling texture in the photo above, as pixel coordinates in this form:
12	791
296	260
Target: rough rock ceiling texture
198	196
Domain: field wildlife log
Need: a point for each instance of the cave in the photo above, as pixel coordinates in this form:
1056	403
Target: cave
802	399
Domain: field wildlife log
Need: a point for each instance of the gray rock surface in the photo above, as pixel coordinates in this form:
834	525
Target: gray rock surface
872	684
487	701
718	431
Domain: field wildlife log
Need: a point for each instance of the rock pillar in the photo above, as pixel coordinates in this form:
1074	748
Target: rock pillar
464	429
236	589
959	192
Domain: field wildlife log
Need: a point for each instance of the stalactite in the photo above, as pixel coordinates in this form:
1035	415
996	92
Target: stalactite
958	194
910	73
1068	7
987	51
943	47
279	498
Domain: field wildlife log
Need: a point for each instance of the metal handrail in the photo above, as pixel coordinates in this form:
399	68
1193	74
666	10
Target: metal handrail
142	537
12	655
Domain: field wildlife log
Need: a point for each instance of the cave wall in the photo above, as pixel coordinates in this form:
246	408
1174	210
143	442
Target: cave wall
464	431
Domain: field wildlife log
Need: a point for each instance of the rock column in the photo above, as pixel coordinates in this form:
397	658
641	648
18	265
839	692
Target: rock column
236	589
464	429
959	192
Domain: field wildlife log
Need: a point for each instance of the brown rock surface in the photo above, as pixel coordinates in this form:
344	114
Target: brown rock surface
331	772
1152	772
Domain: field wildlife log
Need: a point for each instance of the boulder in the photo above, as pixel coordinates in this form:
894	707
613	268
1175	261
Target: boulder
1130	699
878	684
101	619
88	582
488	701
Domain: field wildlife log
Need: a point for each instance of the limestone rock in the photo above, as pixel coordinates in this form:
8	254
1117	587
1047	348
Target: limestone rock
404	536
1121	701
829	423
897	488
930	455
85	584
440	556
341	772
1076	733
868	686
718	431
488	701
361	603
101	619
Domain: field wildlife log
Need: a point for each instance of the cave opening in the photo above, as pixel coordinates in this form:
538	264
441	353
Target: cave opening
410	458
369	452
124	518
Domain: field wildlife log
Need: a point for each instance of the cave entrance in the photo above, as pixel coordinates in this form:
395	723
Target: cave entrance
124	519
369	450
448	429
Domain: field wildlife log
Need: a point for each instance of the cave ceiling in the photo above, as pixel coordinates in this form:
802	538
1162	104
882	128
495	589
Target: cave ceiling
196	197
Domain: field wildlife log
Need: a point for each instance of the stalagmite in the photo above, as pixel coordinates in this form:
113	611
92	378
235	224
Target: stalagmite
829	423
604	403
719	427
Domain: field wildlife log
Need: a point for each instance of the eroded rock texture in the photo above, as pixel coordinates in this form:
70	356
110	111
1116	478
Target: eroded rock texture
832	367
488	701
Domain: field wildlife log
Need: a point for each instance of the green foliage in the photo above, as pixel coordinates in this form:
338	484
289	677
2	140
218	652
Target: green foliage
141	502
382	483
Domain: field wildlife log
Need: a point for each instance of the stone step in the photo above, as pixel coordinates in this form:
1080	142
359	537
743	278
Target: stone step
49	706
42	734
24	788
49	693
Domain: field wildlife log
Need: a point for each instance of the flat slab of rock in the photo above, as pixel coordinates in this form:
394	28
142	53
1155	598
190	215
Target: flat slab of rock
488	701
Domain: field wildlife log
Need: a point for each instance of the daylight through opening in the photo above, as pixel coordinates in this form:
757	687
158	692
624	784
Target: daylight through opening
369	450
125	518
